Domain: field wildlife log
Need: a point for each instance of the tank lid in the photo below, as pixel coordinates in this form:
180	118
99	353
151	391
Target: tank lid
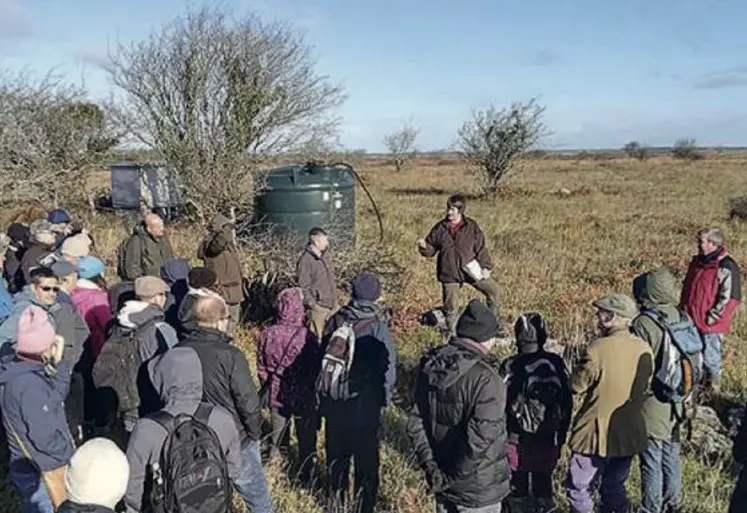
307	176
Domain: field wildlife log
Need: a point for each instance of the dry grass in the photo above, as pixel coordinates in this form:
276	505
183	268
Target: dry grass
554	251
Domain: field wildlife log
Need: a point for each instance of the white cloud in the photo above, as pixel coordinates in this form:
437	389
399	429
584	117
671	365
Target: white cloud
96	55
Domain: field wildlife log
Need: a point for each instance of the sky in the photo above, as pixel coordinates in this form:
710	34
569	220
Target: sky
608	72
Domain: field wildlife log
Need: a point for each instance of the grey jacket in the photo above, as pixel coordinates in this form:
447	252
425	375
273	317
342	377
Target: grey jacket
317	279
65	318
154	339
177	375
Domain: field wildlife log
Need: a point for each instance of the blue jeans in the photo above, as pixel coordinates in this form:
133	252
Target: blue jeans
252	482
34	497
661	477
712	355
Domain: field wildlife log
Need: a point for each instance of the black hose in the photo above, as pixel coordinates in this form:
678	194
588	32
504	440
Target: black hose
370	198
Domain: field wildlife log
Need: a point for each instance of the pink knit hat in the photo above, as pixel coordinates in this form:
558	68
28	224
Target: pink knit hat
35	332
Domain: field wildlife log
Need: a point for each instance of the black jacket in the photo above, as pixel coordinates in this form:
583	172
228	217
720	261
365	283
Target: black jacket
516	371
458	426
226	380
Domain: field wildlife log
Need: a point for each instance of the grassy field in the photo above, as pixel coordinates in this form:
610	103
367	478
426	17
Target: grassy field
561	234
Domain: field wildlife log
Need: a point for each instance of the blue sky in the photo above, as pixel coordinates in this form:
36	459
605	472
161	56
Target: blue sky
608	71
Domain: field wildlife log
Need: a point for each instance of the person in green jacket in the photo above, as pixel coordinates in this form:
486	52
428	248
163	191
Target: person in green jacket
661	472
145	250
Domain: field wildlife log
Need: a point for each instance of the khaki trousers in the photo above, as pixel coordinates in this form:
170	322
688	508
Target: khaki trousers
450	291
233	323
317	318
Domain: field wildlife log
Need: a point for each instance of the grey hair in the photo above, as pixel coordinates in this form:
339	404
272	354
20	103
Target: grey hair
714	235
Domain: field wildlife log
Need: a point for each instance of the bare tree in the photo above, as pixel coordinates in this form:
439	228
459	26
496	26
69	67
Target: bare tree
686	149
401	144
636	150
494	141
51	136
214	95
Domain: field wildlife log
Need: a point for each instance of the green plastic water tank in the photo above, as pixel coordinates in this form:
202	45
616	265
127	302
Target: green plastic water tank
294	199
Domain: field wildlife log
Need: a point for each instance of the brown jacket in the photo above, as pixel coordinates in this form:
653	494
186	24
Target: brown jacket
456	251
611	384
317	279
218	253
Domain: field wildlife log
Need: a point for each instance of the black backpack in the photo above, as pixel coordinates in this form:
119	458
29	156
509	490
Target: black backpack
191	475
115	372
538	407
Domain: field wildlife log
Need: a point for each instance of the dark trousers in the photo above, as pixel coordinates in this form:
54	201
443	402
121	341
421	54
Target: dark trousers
541	484
75	408
306	427
352	435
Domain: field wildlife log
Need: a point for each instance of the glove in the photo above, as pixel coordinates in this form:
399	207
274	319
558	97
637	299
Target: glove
434	478
486	274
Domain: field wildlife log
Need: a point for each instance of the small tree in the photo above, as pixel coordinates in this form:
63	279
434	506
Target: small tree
636	150
214	95
686	149
51	136
401	145
494	141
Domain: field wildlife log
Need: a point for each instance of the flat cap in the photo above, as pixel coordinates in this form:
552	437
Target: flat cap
150	286
619	304
62	268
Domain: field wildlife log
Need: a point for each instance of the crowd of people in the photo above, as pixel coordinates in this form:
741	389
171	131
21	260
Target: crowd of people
132	396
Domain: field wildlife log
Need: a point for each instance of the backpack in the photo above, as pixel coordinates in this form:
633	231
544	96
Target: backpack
334	378
191	475
115	372
679	364
538	408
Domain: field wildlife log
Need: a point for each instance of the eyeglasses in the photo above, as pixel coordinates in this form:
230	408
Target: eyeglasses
47	288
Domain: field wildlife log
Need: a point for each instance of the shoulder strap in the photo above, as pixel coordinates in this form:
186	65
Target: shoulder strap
164	419
363	323
203	413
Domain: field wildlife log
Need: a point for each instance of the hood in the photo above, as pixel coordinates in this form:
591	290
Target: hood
290	310
175	270
11	368
446	365
177	376
86	294
136	313
358	309
27	297
85	284
655	288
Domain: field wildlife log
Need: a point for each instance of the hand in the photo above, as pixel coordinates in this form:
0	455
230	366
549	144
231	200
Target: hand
434	477
422	244
486	274
59	349
711	319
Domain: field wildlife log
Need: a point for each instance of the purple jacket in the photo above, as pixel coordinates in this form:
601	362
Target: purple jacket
289	355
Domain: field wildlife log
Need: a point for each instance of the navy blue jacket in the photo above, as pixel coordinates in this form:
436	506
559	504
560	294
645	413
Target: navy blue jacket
34	412
374	369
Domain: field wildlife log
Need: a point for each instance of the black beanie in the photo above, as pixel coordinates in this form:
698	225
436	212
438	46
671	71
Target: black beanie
201	278
477	323
530	328
18	232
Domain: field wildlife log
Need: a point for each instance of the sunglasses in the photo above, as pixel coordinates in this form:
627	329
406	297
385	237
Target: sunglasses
47	288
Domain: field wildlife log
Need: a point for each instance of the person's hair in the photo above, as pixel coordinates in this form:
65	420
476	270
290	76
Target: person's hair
99	281
714	235
316	231
458	201
615	319
210	310
41	273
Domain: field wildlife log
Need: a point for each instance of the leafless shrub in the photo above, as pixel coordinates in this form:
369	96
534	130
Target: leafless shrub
401	145
636	150
50	137
686	149
494	141
738	208
214	95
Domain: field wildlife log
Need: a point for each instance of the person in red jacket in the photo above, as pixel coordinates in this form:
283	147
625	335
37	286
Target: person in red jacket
710	295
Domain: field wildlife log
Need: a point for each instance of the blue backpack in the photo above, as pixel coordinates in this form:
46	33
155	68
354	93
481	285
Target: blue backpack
679	364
